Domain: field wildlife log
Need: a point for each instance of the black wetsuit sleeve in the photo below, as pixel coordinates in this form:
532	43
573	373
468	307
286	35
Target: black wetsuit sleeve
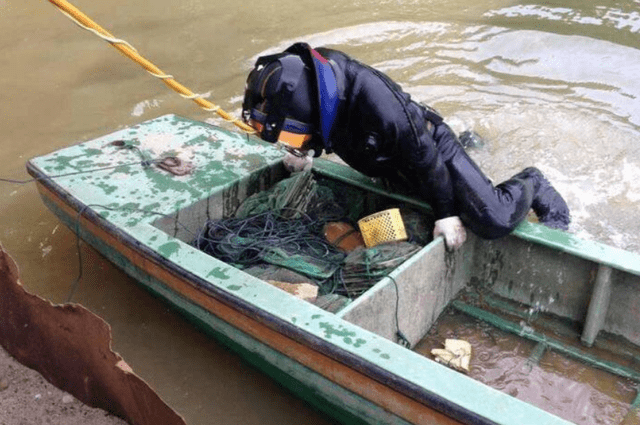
426	167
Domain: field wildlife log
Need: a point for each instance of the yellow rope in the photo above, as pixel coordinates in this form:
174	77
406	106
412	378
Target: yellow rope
129	51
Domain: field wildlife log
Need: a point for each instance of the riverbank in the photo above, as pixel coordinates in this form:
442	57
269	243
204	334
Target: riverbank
27	398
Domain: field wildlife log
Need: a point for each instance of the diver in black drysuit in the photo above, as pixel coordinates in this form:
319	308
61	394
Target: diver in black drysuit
381	132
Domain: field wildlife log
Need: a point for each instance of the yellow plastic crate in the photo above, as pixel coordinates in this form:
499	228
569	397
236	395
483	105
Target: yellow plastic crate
381	227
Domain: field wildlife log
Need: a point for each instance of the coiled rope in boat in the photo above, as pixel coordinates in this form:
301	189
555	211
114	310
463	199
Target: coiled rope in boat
270	238
129	51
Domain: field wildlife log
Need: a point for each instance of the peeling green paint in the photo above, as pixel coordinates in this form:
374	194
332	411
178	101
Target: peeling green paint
131	222
219	273
346	335
197	140
163	182
215	177
128	208
126	169
234	287
152	208
85	163
359	343
62	162
92	151
254	160
168	249
108	189
316	316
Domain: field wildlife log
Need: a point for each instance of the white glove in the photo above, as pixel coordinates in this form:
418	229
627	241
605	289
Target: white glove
453	231
293	163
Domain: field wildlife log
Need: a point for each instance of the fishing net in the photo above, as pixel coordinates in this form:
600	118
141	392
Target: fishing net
279	232
350	201
300	195
267	237
363	267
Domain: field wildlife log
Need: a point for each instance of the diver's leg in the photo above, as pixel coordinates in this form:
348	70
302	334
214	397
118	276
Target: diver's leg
493	212
490	212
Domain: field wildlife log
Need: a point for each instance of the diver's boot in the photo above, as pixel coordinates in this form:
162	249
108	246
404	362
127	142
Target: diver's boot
469	139
548	204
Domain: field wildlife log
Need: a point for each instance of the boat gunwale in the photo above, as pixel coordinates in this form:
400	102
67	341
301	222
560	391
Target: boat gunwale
591	250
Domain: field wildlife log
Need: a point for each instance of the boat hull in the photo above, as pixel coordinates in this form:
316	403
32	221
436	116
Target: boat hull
345	364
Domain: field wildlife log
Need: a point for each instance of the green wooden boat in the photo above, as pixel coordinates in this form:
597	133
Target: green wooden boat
346	363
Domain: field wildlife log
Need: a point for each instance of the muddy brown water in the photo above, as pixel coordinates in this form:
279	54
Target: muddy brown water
554	382
552	85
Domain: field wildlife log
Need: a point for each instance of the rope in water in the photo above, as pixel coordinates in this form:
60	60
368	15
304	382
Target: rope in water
129	51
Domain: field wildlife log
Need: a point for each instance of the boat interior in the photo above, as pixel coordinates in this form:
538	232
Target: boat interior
551	299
